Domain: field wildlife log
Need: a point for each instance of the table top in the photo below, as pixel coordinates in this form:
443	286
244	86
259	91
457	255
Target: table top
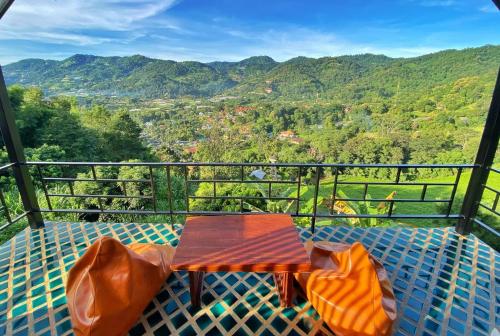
241	243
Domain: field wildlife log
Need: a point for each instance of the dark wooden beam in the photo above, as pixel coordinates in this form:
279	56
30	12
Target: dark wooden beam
15	151
4	6
497	3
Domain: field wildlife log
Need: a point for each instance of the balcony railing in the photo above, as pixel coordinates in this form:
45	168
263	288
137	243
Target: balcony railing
490	209
306	191
9	213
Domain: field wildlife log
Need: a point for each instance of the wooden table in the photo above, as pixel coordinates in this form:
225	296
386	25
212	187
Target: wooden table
241	243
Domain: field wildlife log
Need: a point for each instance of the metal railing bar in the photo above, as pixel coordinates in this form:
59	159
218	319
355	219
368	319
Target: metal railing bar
247	164
242	181
424	191
94	174
186	185
21	216
4	167
214	182
492	189
221	213
94	211
242	178
398	200
101	196
495	170
393	216
391	208
44	186
15	220
484	206
486	227
334	191
315	201
244	197
72	179
169	190
153	188
398	175
299	182
398	184
169	187
70	185
4	208
4	226
454	191
99	199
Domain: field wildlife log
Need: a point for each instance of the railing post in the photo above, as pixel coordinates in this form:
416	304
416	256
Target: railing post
15	151
315	204
484	160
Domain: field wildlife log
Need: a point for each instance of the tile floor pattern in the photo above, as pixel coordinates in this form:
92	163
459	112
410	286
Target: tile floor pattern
445	284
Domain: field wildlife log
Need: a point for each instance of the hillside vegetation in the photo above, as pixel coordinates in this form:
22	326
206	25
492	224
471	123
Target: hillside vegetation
357	78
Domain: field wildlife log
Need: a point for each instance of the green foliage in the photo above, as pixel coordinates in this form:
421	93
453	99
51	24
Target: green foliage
122	137
65	129
360	77
56	129
133	189
96	188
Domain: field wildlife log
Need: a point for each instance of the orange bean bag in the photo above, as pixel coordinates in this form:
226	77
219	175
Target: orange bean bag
111	284
349	289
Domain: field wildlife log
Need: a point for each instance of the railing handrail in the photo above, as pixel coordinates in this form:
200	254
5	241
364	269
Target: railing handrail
495	170
7	166
249	164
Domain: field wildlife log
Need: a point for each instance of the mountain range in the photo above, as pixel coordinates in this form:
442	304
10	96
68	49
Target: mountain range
354	77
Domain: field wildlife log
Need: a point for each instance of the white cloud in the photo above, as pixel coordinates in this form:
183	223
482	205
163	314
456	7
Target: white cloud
305	42
491	8
436	3
127	27
285	44
77	21
439	3
55	37
281	45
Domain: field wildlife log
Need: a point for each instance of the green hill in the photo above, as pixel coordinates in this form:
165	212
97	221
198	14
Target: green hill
357	78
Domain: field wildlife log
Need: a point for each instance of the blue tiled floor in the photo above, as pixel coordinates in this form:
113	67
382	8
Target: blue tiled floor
445	284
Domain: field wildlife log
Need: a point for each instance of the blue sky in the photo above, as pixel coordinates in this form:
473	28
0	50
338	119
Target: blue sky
207	30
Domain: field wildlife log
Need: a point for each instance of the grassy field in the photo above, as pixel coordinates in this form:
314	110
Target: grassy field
406	192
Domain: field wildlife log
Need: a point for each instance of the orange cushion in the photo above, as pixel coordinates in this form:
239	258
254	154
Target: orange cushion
349	289
111	284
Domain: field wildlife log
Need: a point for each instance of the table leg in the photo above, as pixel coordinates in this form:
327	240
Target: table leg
284	283
195	286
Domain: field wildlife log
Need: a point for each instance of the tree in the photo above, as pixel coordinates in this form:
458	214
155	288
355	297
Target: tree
122	139
65	130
